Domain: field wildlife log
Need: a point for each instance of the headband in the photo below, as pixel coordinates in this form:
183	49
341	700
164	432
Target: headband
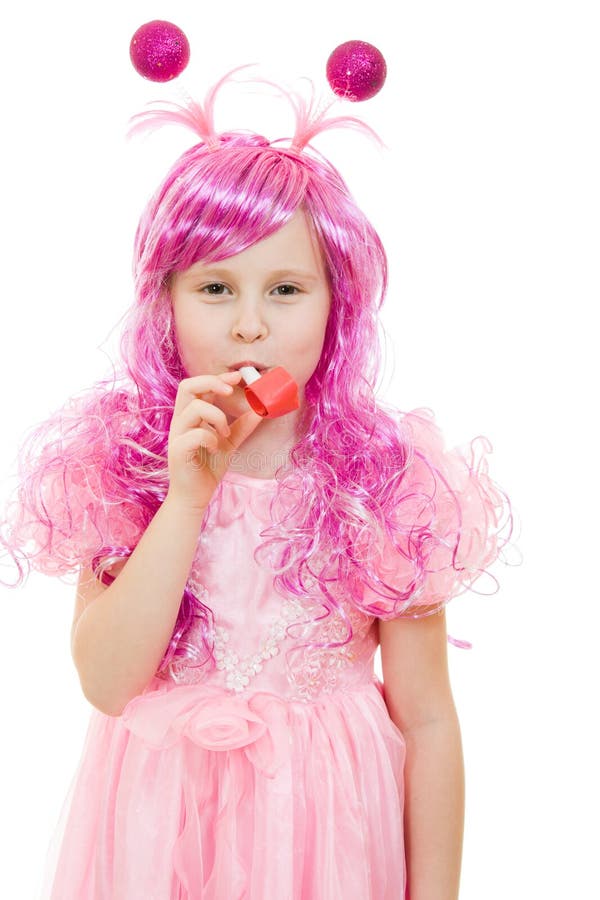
160	51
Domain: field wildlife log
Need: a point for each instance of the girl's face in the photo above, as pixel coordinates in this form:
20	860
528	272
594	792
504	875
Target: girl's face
268	304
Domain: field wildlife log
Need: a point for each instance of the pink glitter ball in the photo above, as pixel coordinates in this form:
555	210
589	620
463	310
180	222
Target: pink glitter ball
356	70
159	50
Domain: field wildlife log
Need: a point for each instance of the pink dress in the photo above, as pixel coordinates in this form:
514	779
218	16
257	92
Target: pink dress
258	779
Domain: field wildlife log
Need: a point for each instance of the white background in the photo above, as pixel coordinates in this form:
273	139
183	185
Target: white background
487	200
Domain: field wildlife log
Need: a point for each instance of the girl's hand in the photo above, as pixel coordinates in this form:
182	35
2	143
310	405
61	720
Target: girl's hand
200	440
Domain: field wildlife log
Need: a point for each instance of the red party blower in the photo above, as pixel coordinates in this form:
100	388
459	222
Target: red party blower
272	393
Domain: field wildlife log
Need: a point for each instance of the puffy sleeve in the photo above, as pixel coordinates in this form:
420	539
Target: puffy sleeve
95	521
66	511
448	521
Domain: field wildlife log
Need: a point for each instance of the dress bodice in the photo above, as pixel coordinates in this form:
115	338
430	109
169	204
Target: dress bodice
251	646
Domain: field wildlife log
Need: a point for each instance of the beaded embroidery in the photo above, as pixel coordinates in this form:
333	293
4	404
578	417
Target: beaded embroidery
239	672
319	669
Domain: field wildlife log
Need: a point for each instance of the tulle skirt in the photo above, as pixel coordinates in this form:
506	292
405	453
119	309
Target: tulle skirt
197	794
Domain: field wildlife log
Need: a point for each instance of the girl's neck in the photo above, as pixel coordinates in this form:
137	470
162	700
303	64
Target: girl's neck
266	449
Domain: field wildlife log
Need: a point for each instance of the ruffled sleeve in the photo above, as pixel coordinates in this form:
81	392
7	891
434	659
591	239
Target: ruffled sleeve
65	517
448	521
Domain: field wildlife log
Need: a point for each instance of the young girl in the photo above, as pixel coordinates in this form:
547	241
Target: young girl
237	573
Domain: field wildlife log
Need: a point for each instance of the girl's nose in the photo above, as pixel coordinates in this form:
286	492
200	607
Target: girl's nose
249	322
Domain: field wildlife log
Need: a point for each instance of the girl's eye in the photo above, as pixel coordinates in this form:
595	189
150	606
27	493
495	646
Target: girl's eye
218	293
287	294
216	284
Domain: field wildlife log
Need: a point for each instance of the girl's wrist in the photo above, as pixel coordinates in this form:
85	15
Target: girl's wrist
183	506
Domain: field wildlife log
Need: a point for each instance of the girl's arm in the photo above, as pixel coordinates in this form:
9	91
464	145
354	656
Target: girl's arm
420	703
120	632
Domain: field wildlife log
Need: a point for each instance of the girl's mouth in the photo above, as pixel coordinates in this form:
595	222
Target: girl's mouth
260	367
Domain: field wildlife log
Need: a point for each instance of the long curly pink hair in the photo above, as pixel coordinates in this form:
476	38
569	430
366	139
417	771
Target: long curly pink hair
384	511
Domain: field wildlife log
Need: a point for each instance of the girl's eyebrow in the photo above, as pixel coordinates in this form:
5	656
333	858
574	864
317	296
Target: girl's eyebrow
278	273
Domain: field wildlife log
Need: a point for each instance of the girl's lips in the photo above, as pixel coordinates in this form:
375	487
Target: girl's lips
258	366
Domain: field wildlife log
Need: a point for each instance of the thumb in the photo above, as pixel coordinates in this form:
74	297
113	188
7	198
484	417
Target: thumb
243	428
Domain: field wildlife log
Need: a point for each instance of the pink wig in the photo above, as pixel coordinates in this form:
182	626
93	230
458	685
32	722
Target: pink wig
384	512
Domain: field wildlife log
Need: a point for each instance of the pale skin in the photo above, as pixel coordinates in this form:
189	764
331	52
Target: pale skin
270	303
419	699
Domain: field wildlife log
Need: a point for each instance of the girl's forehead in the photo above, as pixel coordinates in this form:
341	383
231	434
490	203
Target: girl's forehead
292	249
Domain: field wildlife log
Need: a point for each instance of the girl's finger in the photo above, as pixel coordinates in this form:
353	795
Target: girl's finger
200	410
243	427
201	385
195	441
